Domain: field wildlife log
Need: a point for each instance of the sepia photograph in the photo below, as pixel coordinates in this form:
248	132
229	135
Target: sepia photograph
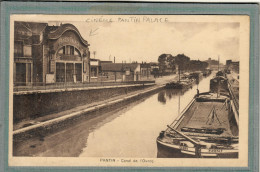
129	90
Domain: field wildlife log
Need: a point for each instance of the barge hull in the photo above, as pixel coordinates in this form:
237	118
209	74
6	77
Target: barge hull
165	150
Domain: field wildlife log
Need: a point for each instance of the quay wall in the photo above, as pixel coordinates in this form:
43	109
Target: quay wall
58	124
38	104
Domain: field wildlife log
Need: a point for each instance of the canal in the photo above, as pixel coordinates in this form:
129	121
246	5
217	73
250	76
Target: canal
128	131
134	131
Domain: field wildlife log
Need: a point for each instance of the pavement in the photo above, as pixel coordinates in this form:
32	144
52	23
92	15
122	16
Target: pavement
50	89
29	124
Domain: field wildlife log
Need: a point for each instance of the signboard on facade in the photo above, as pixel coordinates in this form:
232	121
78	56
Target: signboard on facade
50	78
70	40
93	63
127	72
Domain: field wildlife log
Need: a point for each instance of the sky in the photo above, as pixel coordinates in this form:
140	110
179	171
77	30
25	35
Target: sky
145	39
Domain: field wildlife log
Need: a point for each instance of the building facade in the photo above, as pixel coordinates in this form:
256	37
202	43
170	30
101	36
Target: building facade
145	71
46	54
94	69
121	71
233	65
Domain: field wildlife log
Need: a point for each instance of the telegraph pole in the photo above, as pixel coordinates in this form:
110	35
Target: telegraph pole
218	62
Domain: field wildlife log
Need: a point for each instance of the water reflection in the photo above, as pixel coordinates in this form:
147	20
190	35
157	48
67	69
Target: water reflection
161	97
169	94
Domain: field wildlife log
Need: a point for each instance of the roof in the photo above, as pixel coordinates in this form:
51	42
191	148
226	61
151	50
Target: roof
24	31
145	65
118	67
154	64
94	59
106	61
55	34
32	27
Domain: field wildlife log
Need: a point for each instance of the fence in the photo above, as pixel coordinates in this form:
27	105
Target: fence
44	86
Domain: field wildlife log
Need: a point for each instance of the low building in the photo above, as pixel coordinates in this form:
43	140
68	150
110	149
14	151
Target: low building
154	65
145	69
215	65
233	66
95	68
46	54
154	69
121	71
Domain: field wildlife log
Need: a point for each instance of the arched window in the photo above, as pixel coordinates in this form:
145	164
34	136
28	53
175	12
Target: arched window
61	50
77	52
69	50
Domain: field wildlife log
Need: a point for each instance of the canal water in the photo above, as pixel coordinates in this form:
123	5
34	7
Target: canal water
132	131
127	131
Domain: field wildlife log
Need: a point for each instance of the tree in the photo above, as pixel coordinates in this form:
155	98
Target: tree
171	61
197	65
162	62
182	61
204	65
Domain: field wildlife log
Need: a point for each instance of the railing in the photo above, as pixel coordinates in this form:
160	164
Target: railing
234	96
21	86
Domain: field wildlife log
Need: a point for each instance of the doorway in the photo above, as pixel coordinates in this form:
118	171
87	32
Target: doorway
78	71
68	72
20	73
60	72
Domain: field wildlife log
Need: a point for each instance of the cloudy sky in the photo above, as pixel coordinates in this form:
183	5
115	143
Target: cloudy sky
145	41
136	39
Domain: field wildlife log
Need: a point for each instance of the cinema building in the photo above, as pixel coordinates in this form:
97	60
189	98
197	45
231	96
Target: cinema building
46	54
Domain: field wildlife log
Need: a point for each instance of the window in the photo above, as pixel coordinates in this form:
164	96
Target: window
69	50
93	72
18	48
62	50
27	51
77	53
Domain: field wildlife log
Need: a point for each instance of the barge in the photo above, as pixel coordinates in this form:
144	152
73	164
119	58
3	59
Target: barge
206	128
182	84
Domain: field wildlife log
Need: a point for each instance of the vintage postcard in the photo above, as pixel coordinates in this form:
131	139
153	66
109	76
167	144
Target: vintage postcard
129	90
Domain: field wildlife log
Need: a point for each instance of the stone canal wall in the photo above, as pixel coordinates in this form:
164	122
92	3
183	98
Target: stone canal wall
39	104
57	124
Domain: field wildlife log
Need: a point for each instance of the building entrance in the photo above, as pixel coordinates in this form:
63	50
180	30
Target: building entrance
68	72
78	71
21	73
60	72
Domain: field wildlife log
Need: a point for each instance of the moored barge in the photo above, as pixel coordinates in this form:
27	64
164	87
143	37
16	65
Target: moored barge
206	128
183	84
